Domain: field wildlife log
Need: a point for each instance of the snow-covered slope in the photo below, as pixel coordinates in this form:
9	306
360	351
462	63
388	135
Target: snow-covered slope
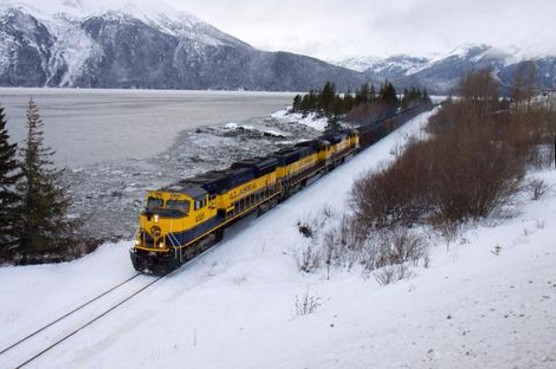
358	63
408	65
488	299
394	65
147	44
157	14
442	73
72	52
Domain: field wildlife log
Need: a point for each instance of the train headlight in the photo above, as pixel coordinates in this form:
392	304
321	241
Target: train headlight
156	231
161	245
156	218
137	242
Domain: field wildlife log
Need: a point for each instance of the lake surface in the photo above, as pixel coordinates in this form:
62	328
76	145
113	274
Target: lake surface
91	126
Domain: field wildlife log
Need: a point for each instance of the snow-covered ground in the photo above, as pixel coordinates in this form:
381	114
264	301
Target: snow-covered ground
309	120
486	301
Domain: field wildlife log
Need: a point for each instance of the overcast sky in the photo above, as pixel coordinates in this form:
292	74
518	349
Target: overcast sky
332	29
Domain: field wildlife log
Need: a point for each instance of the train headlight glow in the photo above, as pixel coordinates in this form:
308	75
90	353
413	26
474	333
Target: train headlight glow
156	218
137	242
160	244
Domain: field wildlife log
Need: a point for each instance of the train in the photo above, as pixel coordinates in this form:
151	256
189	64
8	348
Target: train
185	218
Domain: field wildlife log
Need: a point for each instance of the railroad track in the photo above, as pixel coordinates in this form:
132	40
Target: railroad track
35	344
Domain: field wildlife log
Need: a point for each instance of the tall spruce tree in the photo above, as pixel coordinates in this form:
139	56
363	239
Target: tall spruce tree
388	94
326	98
47	233
10	200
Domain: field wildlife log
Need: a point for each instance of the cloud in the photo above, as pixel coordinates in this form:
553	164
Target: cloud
331	28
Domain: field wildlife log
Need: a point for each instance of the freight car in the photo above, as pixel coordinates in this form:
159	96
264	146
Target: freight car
372	132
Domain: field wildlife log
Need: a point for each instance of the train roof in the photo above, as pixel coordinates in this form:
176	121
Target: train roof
261	166
334	138
189	189
212	182
287	155
220	181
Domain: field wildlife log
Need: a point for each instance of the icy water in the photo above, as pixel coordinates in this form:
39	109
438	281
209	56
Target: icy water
92	126
117	144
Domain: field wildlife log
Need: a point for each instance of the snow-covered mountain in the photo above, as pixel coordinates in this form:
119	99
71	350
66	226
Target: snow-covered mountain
394	65
441	73
119	44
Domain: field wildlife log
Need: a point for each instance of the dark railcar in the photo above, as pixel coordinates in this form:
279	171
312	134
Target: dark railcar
260	166
213	182
287	156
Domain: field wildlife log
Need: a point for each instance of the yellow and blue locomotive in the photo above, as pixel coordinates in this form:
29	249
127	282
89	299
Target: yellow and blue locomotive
185	218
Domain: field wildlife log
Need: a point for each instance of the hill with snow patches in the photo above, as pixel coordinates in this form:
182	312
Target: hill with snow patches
486	300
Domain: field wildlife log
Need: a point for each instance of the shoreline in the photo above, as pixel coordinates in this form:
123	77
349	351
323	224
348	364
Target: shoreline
111	193
85	128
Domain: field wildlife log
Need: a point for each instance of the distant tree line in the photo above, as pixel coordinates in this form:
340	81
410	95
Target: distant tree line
34	226
365	103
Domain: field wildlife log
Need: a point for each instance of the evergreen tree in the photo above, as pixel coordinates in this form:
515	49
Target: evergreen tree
10	200
333	105
327	97
337	108
348	101
47	233
304	107
372	93
362	95
406	98
388	94
296	103
426	98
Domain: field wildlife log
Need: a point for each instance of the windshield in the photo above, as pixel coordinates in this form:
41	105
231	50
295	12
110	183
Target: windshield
154	202
181	205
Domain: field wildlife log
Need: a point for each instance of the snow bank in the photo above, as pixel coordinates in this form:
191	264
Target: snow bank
310	120
263	130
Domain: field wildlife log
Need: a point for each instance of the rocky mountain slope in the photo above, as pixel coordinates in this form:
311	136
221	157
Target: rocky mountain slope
154	48
119	44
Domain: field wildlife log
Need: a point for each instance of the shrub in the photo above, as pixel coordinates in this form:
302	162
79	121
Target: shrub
305	229
396	246
395	194
391	273
538	188
464	171
309	259
307	304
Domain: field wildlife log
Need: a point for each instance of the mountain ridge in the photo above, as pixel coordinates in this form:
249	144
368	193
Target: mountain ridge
442	73
119	44
120	49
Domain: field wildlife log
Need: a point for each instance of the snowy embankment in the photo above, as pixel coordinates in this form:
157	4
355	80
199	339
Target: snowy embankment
486	301
309	120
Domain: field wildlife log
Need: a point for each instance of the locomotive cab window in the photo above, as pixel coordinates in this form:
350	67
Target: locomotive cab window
181	205
200	203
154	202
